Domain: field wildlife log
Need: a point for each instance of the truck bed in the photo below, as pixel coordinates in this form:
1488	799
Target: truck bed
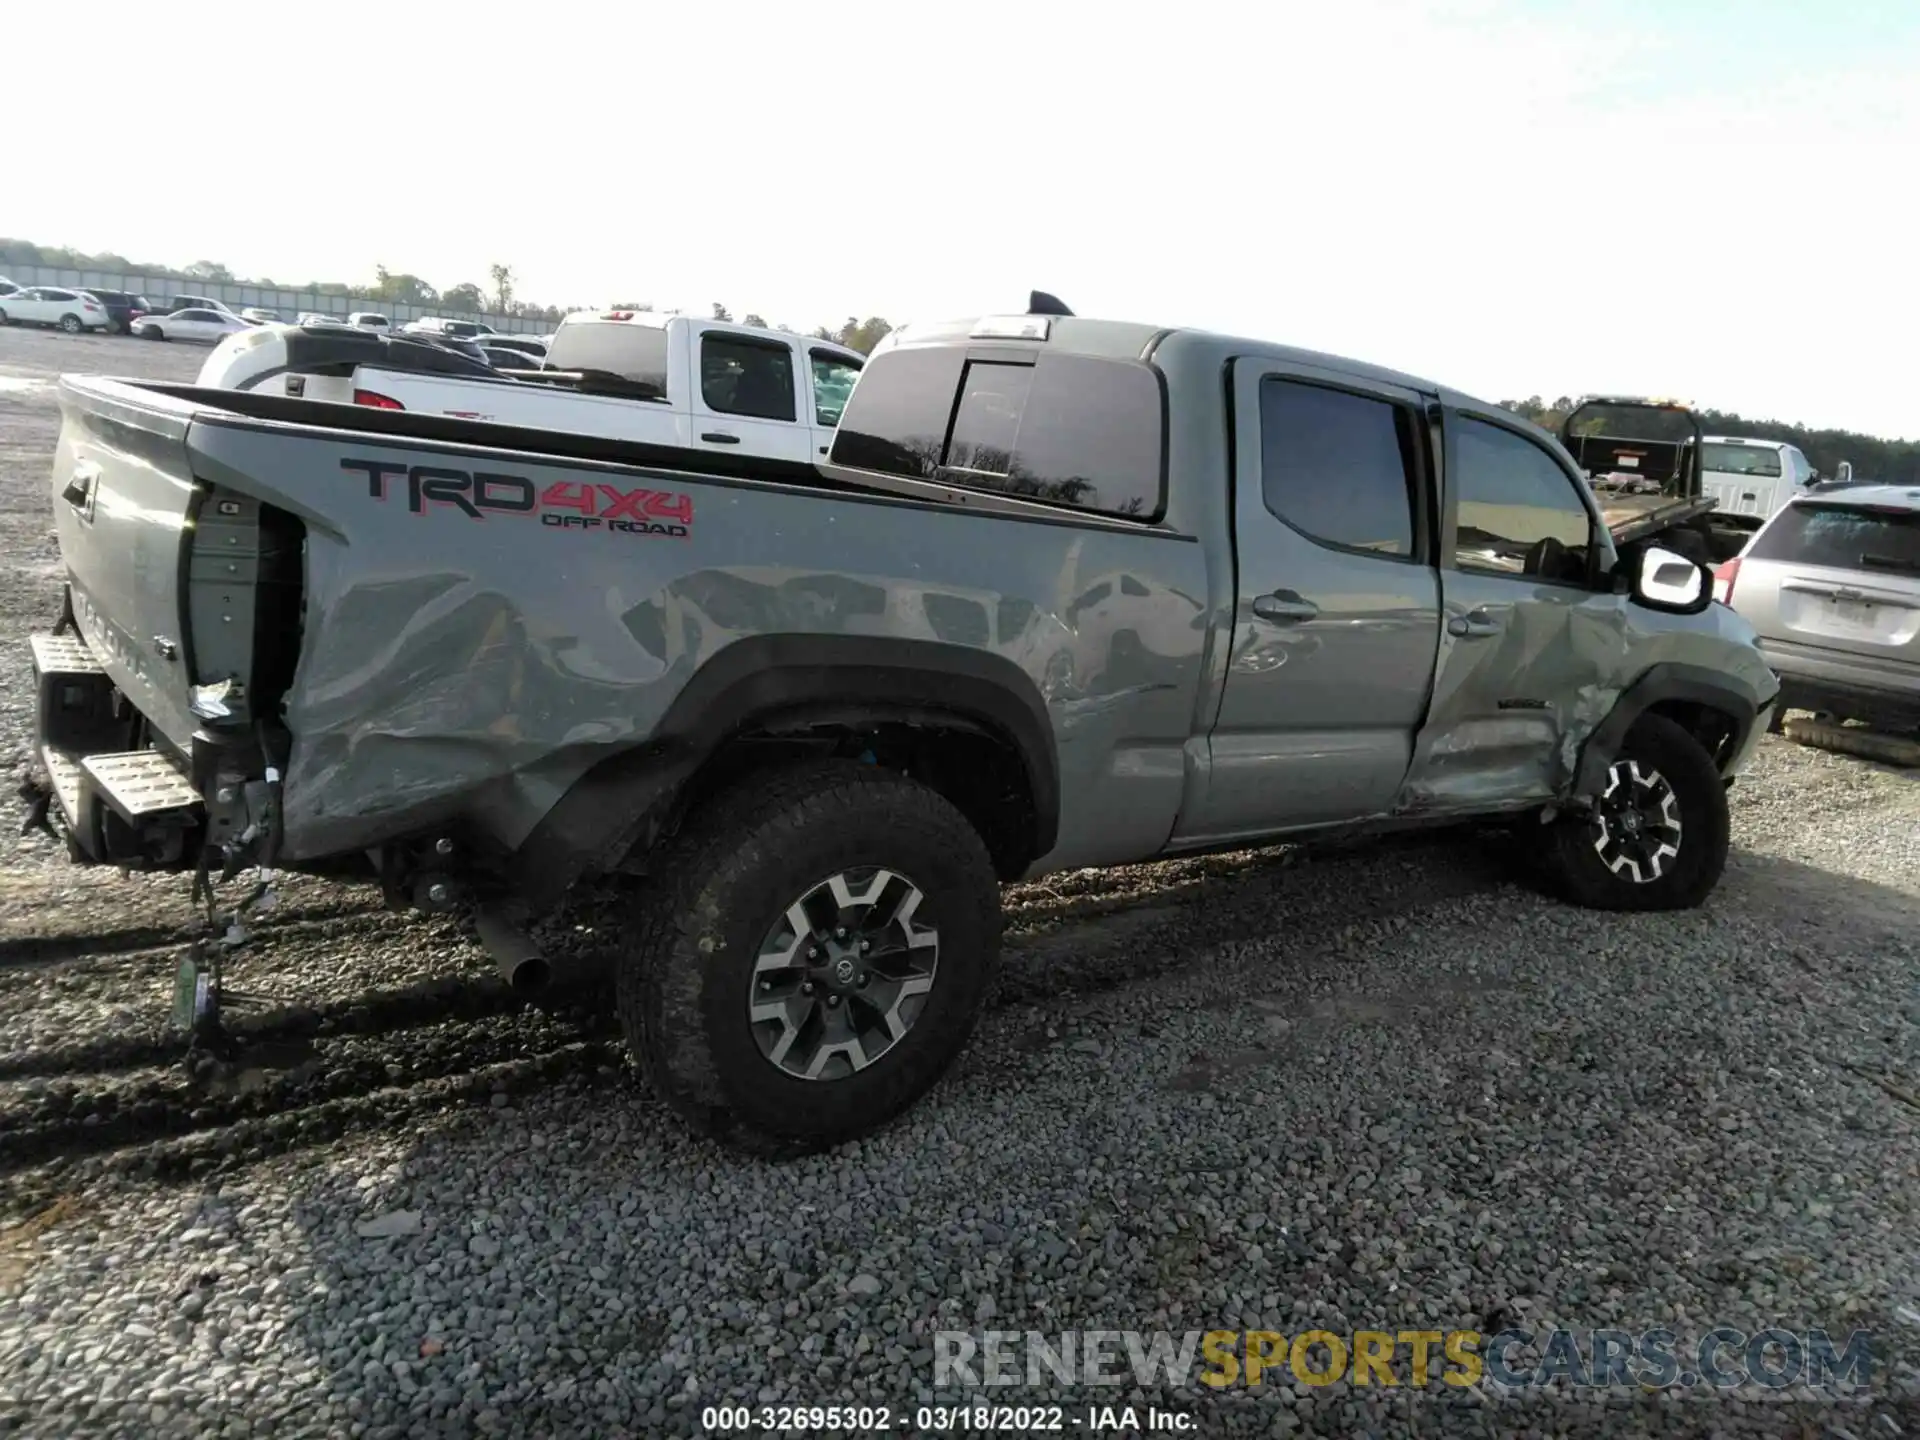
1632	517
444	621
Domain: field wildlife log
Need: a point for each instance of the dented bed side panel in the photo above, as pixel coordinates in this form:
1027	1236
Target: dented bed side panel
481	627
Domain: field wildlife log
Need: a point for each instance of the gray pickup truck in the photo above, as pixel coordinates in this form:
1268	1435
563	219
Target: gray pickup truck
1065	593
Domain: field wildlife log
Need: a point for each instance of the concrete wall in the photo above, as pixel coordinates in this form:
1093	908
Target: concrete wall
290	303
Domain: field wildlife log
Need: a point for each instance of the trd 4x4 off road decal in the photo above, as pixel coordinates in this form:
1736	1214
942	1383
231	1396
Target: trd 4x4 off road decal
564	505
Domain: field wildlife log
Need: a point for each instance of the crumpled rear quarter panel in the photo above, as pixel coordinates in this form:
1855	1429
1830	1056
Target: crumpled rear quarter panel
454	667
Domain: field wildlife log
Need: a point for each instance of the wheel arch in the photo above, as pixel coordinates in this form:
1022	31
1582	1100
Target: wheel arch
760	698
1714	709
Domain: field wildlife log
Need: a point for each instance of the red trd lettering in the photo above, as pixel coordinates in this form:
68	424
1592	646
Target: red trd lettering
569	495
645	504
625	506
671	507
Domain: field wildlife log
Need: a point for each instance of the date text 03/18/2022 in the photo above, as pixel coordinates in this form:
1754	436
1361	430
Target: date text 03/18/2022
970	1419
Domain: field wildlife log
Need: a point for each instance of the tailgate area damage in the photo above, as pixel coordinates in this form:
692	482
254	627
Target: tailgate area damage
121	804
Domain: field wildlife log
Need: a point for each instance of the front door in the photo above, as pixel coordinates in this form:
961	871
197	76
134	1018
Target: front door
1336	615
830	378
1530	651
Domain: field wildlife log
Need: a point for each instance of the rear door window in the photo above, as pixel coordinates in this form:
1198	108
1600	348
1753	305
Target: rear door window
1338	467
1743	459
1843	537
1065	429
746	377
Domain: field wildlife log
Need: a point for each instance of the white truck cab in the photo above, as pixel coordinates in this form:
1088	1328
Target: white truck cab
1750	479
620	374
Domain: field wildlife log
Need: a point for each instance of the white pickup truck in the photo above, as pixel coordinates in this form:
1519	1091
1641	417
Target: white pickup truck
618	374
1750	479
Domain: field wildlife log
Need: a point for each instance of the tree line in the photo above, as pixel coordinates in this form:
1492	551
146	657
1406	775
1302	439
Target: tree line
1895	462
400	288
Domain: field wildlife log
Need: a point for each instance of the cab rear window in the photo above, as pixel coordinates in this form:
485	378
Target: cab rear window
1843	537
636	353
1742	459
1069	430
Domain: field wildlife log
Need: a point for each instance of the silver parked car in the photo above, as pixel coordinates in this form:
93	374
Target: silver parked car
1832	586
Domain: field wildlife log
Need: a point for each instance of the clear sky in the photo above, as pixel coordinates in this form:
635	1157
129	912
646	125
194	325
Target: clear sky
1710	200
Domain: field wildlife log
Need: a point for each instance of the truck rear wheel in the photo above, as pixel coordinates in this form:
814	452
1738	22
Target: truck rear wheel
812	957
1658	835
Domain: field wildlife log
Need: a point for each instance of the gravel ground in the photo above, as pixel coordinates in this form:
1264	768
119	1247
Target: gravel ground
1343	1089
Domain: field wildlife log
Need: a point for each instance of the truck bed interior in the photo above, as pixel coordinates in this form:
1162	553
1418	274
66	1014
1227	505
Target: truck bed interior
557	444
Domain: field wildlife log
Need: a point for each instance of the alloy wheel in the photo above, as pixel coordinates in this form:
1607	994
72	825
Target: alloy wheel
842	976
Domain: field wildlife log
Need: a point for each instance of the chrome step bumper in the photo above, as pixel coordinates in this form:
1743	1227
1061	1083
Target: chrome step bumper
130	807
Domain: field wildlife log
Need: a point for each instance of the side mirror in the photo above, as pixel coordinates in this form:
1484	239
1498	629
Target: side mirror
1671	582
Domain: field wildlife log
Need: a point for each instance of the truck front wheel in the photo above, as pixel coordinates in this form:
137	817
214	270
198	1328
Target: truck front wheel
1658	834
812	955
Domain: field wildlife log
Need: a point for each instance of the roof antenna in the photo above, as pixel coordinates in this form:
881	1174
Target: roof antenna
1039	302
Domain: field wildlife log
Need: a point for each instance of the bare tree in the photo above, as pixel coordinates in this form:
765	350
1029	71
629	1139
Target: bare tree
502	276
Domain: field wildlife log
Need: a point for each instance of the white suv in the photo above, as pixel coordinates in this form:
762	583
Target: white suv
71	310
1831	585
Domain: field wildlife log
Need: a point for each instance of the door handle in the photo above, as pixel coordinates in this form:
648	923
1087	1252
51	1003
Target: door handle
79	487
720	437
1284	607
79	491
1473	624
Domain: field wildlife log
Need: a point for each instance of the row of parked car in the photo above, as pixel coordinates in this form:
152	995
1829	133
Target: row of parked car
200	318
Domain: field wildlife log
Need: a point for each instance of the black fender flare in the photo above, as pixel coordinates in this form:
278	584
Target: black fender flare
1659	683
801	679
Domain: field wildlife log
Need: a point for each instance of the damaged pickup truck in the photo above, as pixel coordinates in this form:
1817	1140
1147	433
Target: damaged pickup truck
1065	593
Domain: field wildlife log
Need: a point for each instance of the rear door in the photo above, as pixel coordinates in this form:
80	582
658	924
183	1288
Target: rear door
829	376
747	397
195	325
44	305
1525	639
1836	577
1337	611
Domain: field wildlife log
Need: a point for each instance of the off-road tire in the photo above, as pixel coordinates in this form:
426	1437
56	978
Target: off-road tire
696	925
1574	868
71	324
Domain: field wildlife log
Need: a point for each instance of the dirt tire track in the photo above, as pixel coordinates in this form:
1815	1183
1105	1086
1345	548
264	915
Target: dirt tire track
418	1046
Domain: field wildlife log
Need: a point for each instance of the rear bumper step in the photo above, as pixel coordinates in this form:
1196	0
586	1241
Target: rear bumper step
140	784
128	807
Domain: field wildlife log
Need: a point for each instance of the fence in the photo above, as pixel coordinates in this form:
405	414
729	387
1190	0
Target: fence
289	303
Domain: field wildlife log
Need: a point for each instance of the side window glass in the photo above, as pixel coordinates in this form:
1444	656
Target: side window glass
741	377
1519	513
1338	467
1068	429
833	381
896	419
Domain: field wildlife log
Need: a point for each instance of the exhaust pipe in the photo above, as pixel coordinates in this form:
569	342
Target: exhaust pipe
521	964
